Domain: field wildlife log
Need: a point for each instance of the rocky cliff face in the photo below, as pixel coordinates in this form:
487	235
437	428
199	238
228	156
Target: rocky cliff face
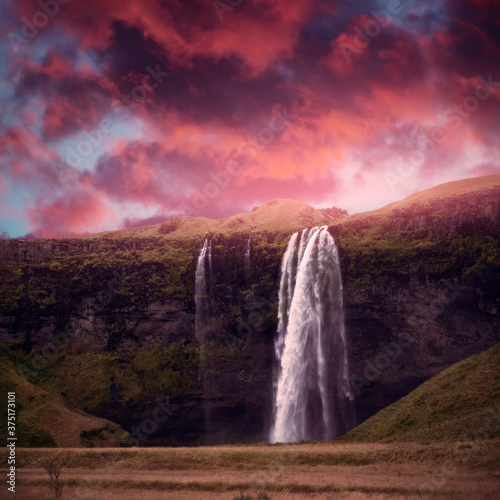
39	251
461	214
115	325
426	297
420	329
420	293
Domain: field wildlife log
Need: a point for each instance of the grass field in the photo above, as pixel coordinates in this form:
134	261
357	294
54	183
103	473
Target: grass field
311	470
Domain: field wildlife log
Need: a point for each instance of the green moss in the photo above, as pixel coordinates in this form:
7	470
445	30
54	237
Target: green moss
173	372
37	410
96	382
11	288
369	256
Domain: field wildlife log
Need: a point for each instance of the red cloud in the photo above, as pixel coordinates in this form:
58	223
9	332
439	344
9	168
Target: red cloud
77	212
257	35
356	115
24	156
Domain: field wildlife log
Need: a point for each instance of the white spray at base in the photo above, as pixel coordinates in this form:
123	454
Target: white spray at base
313	398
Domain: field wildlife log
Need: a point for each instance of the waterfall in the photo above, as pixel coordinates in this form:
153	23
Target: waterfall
200	294
204	304
313	398
248	265
210	261
210	285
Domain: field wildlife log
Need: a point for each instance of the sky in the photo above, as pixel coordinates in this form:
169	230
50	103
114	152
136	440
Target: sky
121	113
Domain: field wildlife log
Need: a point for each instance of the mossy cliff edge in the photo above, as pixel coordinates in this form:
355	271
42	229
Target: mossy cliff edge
108	320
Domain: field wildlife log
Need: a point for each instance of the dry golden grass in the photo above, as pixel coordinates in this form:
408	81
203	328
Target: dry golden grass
484	456
437	193
287	216
316	470
33	493
280	216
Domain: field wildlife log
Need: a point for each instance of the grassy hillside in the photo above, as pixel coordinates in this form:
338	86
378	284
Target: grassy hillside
446	232
434	196
460	403
278	216
43	419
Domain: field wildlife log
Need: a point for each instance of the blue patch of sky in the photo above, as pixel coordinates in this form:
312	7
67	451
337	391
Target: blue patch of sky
82	150
424	17
16	200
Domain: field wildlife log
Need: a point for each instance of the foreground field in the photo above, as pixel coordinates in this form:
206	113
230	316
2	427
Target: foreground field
316	470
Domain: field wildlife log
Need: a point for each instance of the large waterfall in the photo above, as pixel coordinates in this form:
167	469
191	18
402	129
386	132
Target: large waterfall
313	398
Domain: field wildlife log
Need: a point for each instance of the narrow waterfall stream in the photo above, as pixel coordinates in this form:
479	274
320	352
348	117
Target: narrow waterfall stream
201	289
248	264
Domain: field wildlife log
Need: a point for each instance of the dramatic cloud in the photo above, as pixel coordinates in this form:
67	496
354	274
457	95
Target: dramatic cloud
122	113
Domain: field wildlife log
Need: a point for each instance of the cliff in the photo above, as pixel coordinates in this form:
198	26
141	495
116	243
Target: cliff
420	293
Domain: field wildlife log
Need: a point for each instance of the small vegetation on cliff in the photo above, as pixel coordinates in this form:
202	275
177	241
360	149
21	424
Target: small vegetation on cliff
97	382
44	419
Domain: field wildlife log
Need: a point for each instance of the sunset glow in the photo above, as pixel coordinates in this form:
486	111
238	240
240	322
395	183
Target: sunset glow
115	114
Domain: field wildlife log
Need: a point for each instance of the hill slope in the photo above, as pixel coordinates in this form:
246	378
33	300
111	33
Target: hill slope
278	216
42	419
461	402
437	194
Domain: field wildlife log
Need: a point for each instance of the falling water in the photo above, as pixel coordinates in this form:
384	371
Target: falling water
248	265
210	261
313	398
210	284
201	295
204	303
